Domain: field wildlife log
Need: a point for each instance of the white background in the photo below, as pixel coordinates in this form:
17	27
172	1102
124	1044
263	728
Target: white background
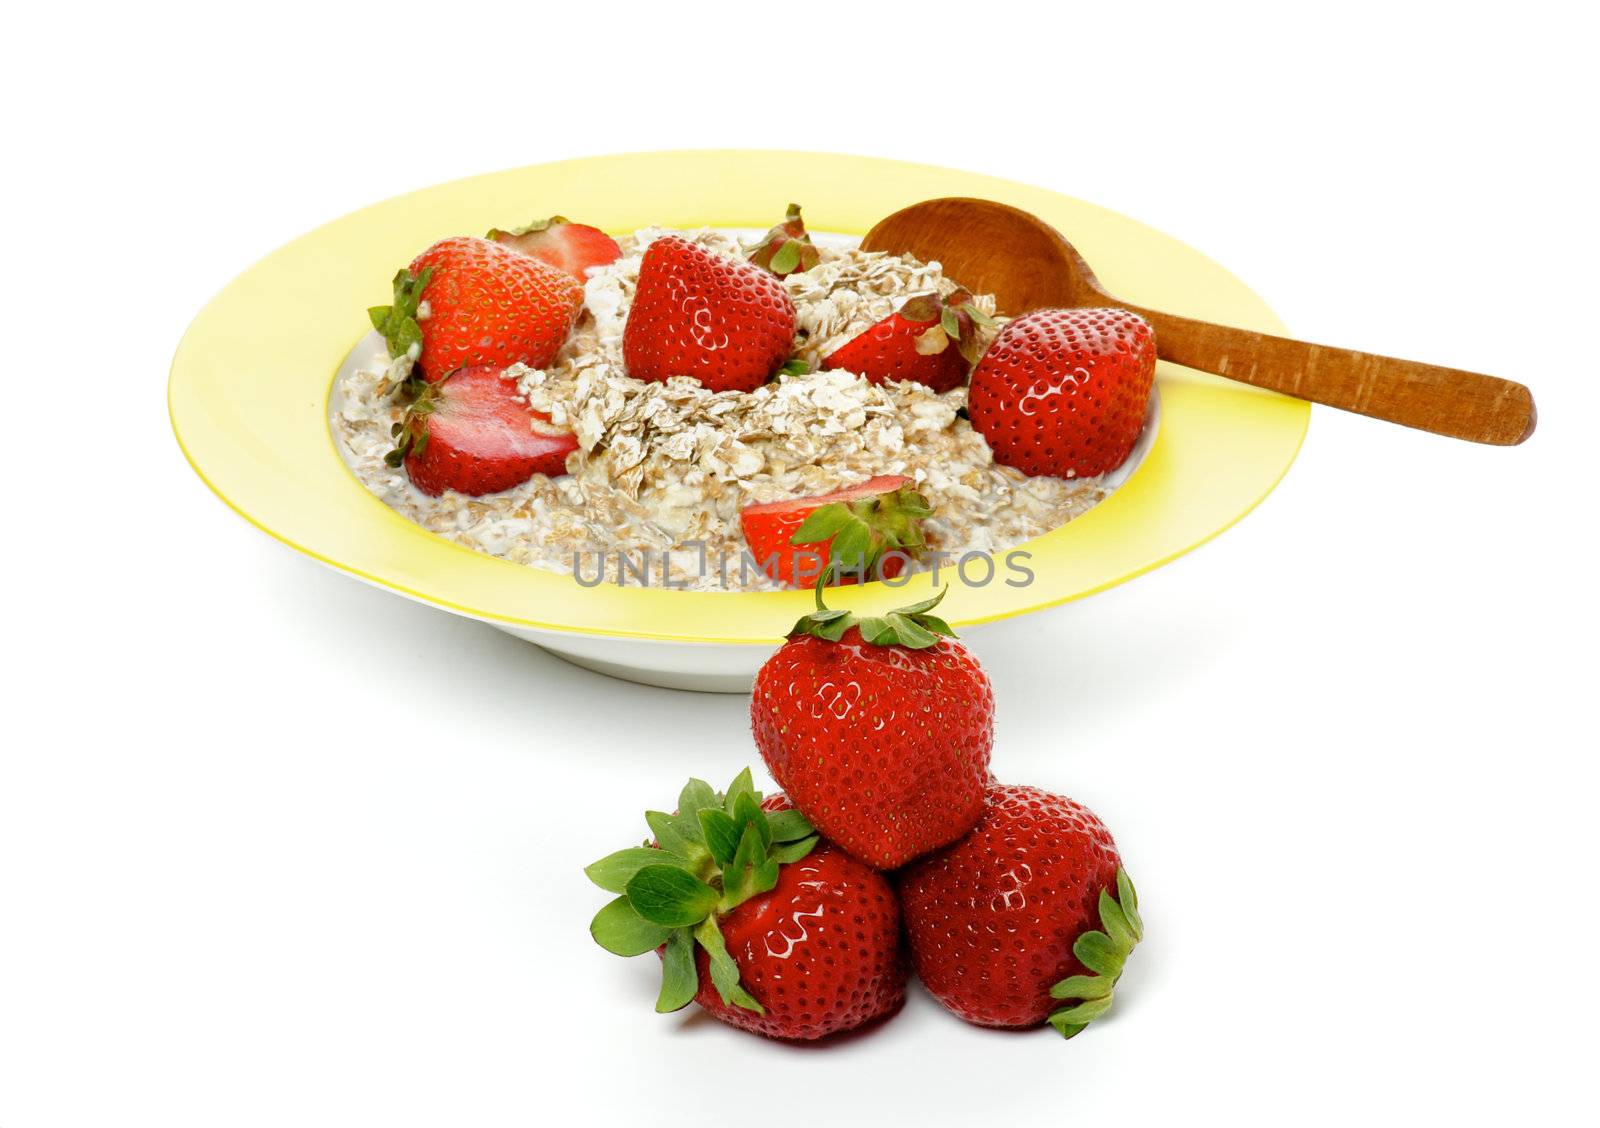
279	849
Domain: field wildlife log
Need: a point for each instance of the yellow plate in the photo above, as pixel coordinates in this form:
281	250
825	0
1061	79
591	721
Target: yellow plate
250	384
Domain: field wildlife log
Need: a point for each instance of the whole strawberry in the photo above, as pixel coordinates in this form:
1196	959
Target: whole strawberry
575	248
1027	919
472	432
879	730
929	340
763	924
1063	392
787	249
869	530
726	323
466	302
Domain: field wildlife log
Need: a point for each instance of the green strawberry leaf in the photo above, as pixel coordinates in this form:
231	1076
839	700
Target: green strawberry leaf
878	631
789	826
793	851
852	548
670	833
1082	1014
1118	931
910	633
1103	953
1129	901
619	929
679	981
787	258
1067	1029
696	796
823	522
752	872
1096	952
398	322
977	315
1083	987
825	624
926	605
721	834
670	896
613	872
724	971
747	812
742	785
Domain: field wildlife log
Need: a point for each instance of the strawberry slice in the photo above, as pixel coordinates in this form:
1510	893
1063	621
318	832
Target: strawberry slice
867	530
929	340
473	433
573	247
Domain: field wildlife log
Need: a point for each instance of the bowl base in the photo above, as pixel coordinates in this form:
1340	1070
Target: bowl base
696	667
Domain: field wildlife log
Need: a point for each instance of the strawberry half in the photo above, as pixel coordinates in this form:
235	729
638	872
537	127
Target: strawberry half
766	926
871	530
466	302
1028	919
472	432
575	248
930	340
724	322
1064	391
878	729
787	249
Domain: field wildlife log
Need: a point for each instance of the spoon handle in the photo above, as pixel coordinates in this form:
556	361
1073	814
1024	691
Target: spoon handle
1446	401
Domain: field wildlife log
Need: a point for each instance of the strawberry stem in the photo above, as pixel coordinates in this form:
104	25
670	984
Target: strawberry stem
398	322
859	534
787	248
718	850
1104	953
911	626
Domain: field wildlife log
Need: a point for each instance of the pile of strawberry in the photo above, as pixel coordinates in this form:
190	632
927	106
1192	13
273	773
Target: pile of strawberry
1058	392
793	915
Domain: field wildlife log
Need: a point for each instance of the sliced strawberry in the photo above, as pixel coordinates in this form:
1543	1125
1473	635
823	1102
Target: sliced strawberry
930	340
867	530
473	433
787	249
573	247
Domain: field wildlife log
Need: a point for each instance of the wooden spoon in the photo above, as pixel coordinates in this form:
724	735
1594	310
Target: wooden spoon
1026	264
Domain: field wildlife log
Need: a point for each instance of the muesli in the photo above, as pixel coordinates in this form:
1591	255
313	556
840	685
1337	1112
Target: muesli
695	397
